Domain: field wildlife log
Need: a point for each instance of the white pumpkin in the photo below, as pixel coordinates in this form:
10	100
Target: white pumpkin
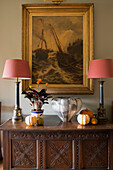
83	119
31	120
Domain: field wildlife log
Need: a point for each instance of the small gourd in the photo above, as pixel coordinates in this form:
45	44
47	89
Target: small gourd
83	119
40	121
94	121
31	120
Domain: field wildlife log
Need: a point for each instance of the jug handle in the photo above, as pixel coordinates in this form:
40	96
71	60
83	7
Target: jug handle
78	103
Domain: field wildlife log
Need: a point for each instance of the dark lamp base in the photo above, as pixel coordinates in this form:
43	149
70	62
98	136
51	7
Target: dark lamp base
102	121
101	113
102	118
17	115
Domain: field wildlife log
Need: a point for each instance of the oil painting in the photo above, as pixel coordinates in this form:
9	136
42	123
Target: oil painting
58	43
57	55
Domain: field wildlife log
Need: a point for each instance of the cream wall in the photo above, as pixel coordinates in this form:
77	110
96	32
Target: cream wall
10	48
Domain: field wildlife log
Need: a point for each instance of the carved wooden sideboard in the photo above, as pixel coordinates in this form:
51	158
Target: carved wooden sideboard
57	145
0	134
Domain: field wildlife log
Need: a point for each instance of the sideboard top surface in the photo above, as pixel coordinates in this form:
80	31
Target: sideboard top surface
53	123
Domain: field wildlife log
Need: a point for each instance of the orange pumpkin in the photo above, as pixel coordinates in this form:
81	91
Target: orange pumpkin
87	112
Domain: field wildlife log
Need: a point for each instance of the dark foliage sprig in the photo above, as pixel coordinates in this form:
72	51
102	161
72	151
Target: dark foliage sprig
33	95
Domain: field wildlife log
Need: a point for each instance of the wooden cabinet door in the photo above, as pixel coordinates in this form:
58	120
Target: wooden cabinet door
94	152
60	154
23	154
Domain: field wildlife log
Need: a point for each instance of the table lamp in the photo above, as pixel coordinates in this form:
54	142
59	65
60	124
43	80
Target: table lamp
19	69
101	68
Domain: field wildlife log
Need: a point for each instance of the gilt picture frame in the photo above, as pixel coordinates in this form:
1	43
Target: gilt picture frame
57	41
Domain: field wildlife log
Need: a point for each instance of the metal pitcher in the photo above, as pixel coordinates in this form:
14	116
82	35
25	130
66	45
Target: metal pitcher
66	107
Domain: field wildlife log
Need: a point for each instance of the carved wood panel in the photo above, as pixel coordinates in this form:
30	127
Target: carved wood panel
57	149
59	154
79	135
94	154
23	153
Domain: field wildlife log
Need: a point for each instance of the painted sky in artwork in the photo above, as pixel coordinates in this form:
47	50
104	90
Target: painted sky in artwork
68	30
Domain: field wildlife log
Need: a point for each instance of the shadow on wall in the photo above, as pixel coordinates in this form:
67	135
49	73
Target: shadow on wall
6	113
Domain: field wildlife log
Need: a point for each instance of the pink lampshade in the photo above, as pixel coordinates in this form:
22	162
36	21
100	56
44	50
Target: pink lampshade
101	68
16	68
